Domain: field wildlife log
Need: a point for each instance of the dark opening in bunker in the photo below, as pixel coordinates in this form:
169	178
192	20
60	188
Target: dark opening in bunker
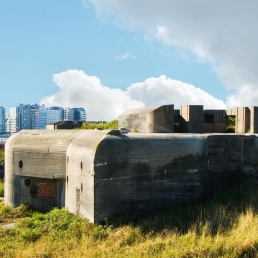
33	189
20	164
27	182
208	118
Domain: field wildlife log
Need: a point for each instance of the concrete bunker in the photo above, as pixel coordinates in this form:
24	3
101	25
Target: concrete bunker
35	168
96	173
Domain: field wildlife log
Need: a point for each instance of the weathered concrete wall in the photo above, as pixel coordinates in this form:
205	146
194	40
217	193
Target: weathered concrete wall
192	119
218	116
42	194
231	112
214	128
109	172
156	119
63	125
253	119
149	172
35	155
80	174
243	120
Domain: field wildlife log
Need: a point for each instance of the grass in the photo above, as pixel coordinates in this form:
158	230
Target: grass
108	125
224	227
1	159
1	187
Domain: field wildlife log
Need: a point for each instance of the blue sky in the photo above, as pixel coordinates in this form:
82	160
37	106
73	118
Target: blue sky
121	44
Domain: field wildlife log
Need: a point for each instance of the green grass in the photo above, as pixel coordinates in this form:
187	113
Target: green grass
1	187
224	227
108	125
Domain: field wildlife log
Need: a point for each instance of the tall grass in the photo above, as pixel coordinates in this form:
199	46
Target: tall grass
224	227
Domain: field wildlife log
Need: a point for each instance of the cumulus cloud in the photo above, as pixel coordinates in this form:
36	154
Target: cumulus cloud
222	32
77	89
162	91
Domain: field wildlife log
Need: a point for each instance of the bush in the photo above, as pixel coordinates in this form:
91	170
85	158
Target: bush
230	129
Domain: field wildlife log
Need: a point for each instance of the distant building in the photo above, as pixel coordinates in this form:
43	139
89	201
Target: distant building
80	114
42	117
34	110
8	124
2	120
69	114
55	114
14	120
25	116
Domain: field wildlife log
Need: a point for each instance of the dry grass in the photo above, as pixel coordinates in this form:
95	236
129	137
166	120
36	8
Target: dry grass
224	227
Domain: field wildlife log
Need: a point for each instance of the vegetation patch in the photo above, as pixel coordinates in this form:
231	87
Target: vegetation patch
231	124
224	227
105	125
1	187
1	159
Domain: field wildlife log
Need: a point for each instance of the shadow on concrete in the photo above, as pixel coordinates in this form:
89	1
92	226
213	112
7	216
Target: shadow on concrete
220	213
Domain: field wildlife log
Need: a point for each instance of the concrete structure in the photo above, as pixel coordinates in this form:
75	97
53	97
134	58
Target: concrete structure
64	125
96	173
214	121
191	119
157	119
35	168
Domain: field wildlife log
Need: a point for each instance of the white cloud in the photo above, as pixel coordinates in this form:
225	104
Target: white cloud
223	32
162	91
78	89
125	56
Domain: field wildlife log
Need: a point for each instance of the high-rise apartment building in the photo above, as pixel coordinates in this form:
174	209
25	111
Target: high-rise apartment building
55	114
8	124
42	117
14	120
25	116
79	114
68	114
2	120
34	111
